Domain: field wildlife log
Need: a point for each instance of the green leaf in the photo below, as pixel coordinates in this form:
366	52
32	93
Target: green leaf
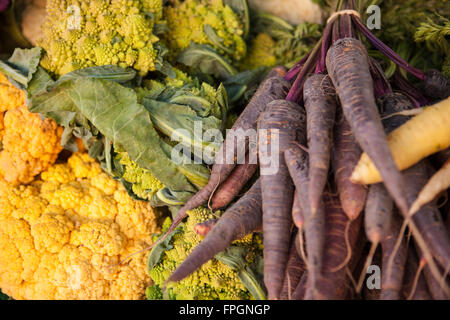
21	66
158	250
239	84
39	83
181	123
108	72
215	39
26	60
234	257
166	69
199	104
241	8
207	60
270	24
114	111
3	296
197	174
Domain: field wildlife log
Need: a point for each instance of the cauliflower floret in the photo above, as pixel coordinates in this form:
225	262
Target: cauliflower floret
80	33
63	236
30	145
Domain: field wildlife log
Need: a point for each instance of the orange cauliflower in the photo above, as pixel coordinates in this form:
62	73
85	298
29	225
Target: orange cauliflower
29	144
64	235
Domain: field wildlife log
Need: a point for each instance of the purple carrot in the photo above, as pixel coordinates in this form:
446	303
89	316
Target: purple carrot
320	105
284	122
244	217
272	88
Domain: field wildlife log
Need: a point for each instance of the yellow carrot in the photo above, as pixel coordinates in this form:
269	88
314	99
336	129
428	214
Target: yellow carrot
425	134
439	181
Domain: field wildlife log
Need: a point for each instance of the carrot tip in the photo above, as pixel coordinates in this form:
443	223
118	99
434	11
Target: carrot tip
414	208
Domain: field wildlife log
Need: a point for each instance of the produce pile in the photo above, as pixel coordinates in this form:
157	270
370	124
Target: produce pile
202	149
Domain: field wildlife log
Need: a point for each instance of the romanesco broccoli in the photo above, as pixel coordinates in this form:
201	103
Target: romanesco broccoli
215	279
80	33
204	22
144	184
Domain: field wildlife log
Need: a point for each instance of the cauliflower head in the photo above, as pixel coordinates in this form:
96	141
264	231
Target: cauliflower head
64	235
214	280
187	21
80	33
29	144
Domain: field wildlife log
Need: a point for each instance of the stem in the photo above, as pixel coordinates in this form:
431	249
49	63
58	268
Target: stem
380	82
346	26
326	39
296	92
409	90
336	35
14	74
388	52
293	72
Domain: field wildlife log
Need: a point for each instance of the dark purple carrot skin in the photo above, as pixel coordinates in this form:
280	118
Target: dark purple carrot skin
348	67
392	278
412	265
287	120
392	103
272	88
320	105
300	290
244	217
433	284
436	86
438	159
446	212
204	228
377	222
314	229
434	287
378	213
294	271
346	154
428	219
335	284
369	294
297	215
379	206
226	193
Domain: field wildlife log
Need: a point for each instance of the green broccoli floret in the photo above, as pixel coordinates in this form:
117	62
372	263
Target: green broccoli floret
215	279
81	33
208	22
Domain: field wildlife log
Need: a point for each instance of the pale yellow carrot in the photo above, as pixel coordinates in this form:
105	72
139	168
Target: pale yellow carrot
423	135
439	181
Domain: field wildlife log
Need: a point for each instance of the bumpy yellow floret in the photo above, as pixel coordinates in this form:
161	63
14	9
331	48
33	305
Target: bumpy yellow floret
82	33
10	96
260	53
144	184
187	20
29	144
64	236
